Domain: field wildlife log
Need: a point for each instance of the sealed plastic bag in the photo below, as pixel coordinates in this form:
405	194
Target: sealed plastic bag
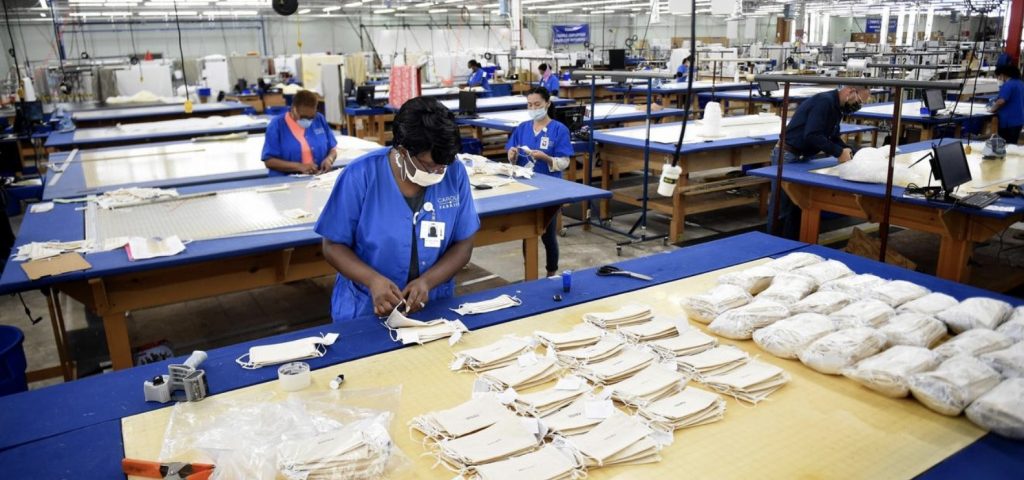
853	285
793	261
898	292
913	329
888	372
821	302
930	304
834	352
974	342
1014	327
787	338
788	288
976	312
863	313
823	272
1001	410
1009	362
709	305
957	382
740	323
753	280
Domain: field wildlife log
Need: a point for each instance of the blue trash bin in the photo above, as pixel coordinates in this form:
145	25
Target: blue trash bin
12	361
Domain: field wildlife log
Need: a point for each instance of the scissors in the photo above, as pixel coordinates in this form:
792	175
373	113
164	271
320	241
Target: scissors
611	270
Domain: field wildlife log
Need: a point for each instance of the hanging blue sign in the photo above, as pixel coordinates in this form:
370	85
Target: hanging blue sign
874	25
570	34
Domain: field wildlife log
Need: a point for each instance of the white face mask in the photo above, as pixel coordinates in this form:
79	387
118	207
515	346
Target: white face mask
494	304
417	176
537	113
301	349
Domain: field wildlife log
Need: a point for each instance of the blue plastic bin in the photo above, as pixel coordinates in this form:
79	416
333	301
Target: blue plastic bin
12	361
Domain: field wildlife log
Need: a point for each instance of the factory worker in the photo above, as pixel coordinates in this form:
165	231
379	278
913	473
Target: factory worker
477	76
1009	105
684	71
547	79
547	145
400	221
300	140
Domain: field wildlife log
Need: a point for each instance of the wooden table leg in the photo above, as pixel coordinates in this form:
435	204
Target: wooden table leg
118	343
810	225
60	338
954	255
926	133
530	252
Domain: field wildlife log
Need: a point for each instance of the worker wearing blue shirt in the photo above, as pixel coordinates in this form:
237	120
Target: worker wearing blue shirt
547	79
814	129
400	221
547	145
300	140
684	71
1009	105
477	76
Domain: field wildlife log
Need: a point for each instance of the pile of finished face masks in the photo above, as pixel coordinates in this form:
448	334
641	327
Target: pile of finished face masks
461	420
407	330
527	371
951	387
575	418
752	280
751	382
548	463
740	323
580	336
648	331
708	305
545	402
689	341
505	438
888	372
647	385
618	440
618	367
687	408
624	316
716	360
786	338
355	452
495	355
602	350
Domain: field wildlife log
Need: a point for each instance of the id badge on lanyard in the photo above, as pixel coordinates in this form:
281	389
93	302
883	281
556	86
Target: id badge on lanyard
432	232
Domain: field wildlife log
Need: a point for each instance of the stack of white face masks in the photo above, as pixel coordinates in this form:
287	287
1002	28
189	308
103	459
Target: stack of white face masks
617	368
574	418
506	438
717	360
863	313
602	350
527	371
930	304
751	382
1001	410
624	316
1009	362
957	382
495	355
887	372
913	329
974	343
824	272
645	332
707	306
752	280
354	452
740	323
301	349
545	402
123	197
688	408
787	338
836	351
40	250
821	302
580	336
793	261
1014	327
471	416
788	288
898	292
548	463
689	341
853	285
407	330
647	385
618	440
497	303
976	312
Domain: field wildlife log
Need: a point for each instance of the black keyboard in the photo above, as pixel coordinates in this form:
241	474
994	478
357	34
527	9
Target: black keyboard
978	200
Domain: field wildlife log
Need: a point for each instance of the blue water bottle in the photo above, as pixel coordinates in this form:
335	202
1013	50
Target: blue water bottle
566	280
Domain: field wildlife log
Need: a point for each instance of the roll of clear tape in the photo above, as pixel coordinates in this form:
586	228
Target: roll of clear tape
294	376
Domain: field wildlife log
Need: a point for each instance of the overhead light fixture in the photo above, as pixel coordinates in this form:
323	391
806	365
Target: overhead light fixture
43	15
383	11
331	9
554	12
117	14
403	7
353	4
599	12
304	11
158	13
438	10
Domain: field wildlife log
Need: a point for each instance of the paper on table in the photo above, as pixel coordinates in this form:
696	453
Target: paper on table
139	248
46	267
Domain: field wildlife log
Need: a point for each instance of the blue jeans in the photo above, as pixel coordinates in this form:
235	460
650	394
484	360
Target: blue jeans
789	213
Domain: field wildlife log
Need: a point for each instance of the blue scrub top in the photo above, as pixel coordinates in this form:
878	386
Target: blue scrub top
682	71
1012	113
551	84
478	79
280	143
553	140
367	213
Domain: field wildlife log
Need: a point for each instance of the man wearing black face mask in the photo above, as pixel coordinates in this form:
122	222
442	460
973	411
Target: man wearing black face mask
813	130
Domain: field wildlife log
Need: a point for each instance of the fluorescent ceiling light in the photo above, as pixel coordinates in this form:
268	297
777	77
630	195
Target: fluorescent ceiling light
553	12
438	10
596	12
424	5
117	14
451	1
383	11
331	9
303	11
403	7
158	13
472	7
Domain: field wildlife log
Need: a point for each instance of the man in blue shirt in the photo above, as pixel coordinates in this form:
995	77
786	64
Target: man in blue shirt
1009	105
477	77
814	129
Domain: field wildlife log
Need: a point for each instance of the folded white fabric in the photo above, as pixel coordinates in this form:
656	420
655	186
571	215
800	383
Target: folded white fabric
752	382
548	463
648	331
544	402
951	387
853	285
468	417
626	315
913	329
823	272
647	385
752	280
573	419
793	261
1009	362
606	348
619	439
887	372
740	323
976	312
688	408
788	337
720	359
408	330
618	367
821	302
527	371
834	352
709	305
1001	410
930	304
492	305
495	355
580	336
863	313
355	452
689	341
124	197
974	342
503	439
898	292
1014	327
788	288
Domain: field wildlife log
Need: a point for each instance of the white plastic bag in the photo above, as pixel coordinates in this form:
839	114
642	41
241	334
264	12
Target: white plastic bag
976	312
1001	410
821	302
1014	327
708	305
852	285
834	352
793	261
913	329
974	342
740	323
957	382
930	304
823	272
788	288
863	313
898	292
1009	362
887	372
788	337
754	280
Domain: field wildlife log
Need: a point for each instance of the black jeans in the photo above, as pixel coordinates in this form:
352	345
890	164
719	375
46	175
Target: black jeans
550	240
1010	134
789	213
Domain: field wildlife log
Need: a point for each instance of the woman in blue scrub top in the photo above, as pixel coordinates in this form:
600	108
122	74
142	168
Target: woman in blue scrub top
299	141
683	72
477	77
545	143
547	79
400	221
1009	105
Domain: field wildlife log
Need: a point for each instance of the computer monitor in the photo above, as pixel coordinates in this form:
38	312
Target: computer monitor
467	104
617	59
349	87
364	95
27	115
949	165
933	101
766	87
580	62
572	117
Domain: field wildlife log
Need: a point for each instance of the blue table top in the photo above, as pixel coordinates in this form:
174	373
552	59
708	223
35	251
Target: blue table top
603	137
680	87
128	112
979	113
801	172
66	223
41	425
67	141
627	114
357	111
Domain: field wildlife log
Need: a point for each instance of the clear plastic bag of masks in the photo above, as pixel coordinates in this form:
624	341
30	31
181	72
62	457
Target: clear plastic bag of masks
269	435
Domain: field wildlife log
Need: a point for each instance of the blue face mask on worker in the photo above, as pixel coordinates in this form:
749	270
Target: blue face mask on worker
303	122
538	113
